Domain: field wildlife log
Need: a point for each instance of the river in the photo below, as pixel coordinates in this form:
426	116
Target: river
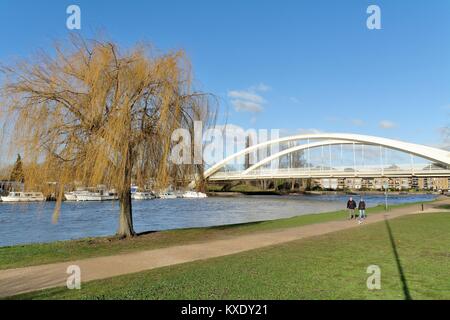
22	223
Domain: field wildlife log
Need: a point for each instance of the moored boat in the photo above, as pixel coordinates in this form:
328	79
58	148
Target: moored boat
194	194
23	197
88	196
146	195
109	195
85	195
70	196
167	195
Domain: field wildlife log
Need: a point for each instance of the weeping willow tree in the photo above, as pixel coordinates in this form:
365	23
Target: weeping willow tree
93	113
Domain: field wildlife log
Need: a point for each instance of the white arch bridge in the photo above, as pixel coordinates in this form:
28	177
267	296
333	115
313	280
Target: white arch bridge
437	160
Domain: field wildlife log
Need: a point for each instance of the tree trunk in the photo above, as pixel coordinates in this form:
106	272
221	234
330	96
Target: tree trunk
126	214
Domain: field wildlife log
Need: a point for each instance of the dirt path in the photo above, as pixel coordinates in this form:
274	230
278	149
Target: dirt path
20	280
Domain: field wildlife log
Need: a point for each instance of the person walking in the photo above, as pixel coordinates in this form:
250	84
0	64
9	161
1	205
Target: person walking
351	206
362	210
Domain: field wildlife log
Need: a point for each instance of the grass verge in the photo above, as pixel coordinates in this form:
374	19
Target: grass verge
59	251
412	252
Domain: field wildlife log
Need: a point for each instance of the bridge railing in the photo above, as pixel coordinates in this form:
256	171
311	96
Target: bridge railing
343	171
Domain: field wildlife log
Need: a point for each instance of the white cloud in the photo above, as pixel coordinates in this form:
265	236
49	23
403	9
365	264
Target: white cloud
241	105
246	95
386	124
249	100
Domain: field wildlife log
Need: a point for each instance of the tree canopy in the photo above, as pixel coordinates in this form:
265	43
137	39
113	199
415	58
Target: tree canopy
95	113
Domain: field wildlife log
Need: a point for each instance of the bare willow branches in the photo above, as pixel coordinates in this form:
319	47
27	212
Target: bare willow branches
95	114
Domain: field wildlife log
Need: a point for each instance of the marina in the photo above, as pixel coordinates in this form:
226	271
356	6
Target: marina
100	195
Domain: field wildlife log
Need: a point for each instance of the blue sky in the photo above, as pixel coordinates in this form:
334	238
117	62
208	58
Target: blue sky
293	65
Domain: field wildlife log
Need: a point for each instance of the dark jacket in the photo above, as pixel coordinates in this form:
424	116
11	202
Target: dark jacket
351	204
362	205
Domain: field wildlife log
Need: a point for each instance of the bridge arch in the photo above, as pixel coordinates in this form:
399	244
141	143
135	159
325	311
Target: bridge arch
426	152
294	149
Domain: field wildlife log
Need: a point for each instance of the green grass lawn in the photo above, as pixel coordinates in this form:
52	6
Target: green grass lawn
331	266
35	254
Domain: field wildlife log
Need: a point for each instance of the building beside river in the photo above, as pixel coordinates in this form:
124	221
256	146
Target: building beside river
403	183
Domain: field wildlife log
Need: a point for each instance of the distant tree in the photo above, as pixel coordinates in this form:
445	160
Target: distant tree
17	173
93	113
308	184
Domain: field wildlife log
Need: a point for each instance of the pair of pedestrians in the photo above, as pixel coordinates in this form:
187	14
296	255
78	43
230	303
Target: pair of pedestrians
351	207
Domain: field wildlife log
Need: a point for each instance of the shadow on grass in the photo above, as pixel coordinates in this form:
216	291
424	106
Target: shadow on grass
144	233
397	260
221	227
236	225
444	206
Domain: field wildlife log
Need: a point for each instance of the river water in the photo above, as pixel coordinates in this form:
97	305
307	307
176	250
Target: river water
31	223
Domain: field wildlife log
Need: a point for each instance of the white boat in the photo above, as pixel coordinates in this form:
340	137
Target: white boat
167	195
88	196
193	194
142	195
109	195
95	196
70	196
23	197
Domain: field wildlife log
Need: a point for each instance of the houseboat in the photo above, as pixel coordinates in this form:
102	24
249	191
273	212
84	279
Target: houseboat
85	195
23	197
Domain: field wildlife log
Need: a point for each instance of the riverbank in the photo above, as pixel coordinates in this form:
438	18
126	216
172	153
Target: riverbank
310	262
59	251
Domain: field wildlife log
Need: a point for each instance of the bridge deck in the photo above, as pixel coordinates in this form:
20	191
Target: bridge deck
286	174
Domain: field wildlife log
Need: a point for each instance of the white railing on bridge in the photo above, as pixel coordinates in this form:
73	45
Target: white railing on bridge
344	171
